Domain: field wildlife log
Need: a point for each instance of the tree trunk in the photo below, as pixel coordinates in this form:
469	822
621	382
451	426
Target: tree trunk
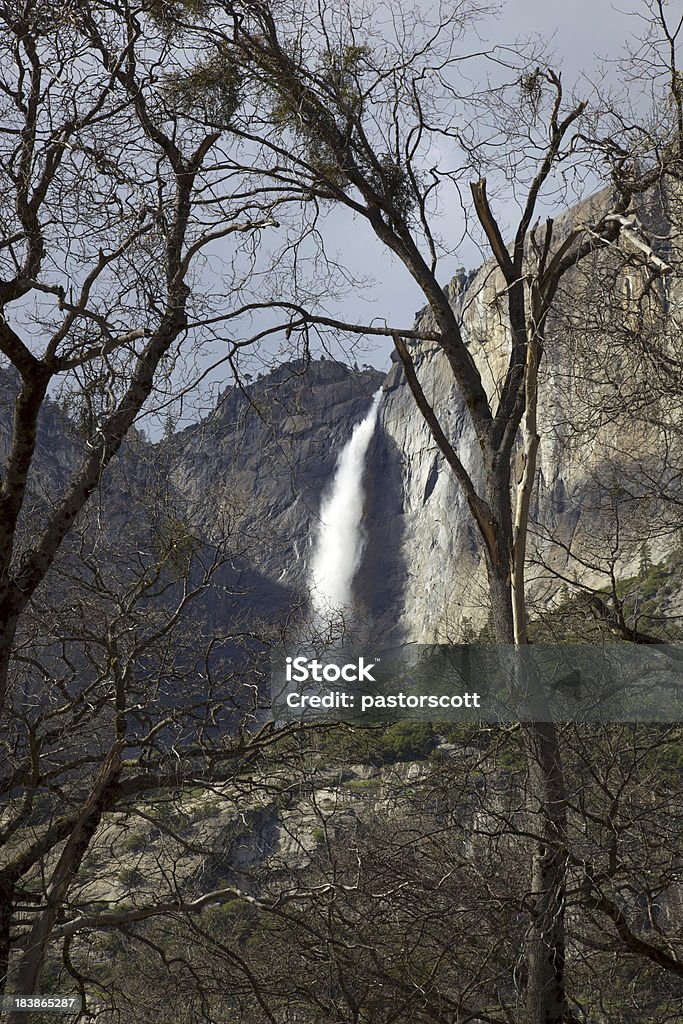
6	911
546	998
525	486
37	941
9	619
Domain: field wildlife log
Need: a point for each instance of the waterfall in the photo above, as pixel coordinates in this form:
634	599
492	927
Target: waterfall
340	541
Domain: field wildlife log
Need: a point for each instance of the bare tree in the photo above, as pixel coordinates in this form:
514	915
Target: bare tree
352	115
416	901
114	189
133	698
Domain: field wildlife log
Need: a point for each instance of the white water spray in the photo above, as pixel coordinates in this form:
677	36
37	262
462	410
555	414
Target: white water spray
340	542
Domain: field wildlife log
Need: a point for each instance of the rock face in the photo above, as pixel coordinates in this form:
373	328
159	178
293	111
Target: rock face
57	449
430	548
259	465
608	424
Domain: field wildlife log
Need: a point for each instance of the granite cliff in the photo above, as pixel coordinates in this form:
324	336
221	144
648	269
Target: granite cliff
607	497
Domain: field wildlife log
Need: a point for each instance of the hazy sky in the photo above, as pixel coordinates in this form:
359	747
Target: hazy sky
579	33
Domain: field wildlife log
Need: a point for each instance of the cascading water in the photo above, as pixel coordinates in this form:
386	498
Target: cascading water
340	541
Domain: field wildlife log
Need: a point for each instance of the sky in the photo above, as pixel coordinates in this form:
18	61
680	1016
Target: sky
579	33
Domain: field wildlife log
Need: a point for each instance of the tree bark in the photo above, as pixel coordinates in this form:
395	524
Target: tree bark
101	797
546	996
9	618
525	486
545	944
7	884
